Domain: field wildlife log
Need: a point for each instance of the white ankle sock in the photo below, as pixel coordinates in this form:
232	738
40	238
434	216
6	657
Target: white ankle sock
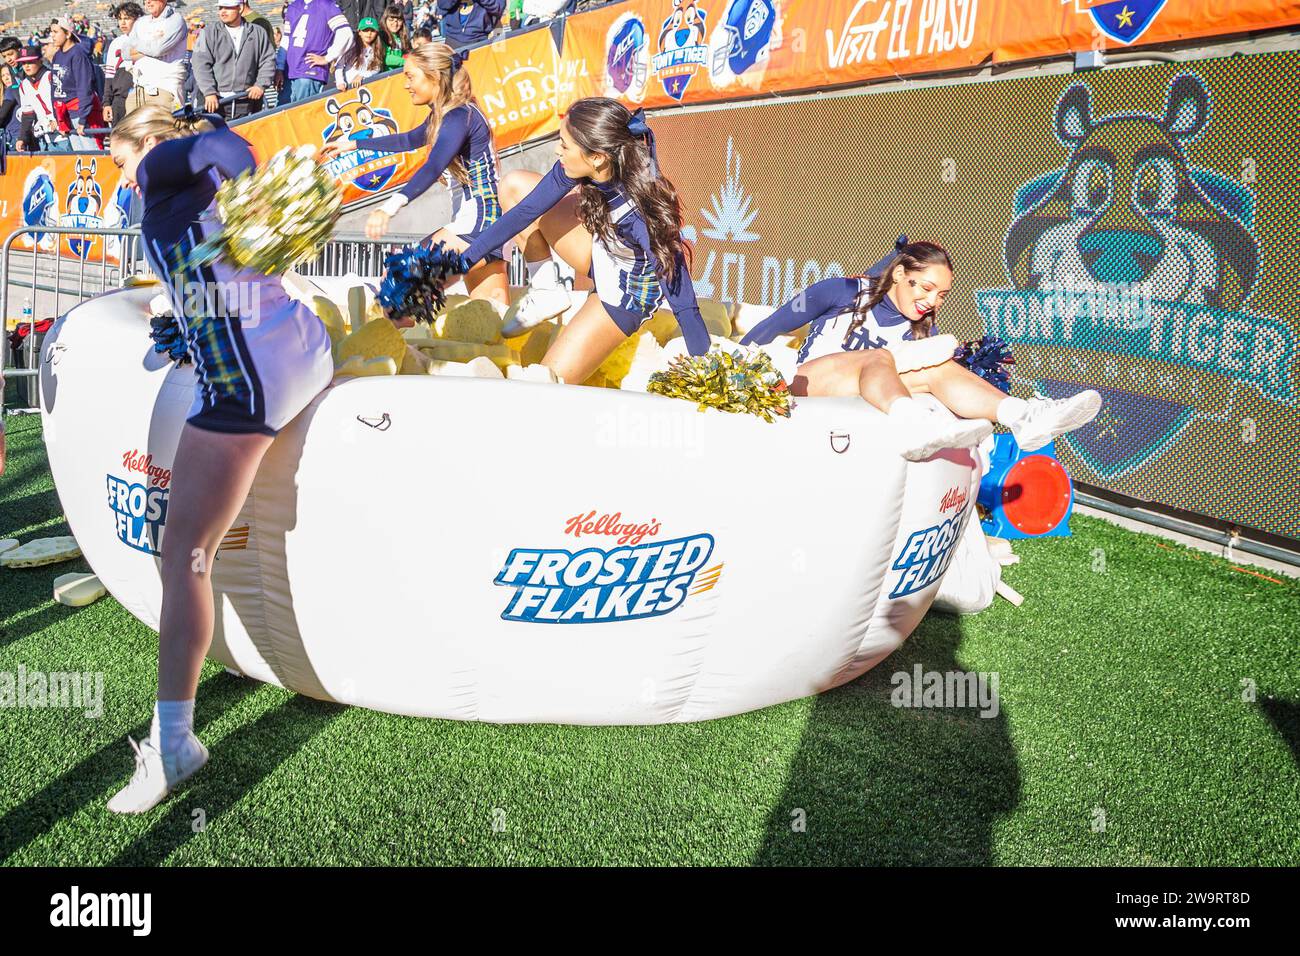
1010	409
903	404
173	724
542	274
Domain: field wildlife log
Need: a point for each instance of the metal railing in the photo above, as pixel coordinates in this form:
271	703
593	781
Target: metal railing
39	270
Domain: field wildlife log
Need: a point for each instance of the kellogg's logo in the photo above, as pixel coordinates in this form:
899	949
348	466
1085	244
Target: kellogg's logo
683	47
140	509
629	533
955	498
554	586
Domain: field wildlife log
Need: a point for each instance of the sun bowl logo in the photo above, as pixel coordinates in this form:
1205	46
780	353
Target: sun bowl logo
40	208
1128	251
356	119
84	198
139	505
928	552
682	48
743	40
594	584
1122	20
627	58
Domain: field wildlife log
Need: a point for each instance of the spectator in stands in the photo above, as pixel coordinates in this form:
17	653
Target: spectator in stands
158	49
358	10
10	50
424	18
396	37
364	58
37	128
252	16
118	78
420	37
539	11
316	35
10	121
230	59
469	21
76	104
277	94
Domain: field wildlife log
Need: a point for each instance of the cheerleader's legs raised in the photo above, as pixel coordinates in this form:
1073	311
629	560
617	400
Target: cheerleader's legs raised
558	231
872	374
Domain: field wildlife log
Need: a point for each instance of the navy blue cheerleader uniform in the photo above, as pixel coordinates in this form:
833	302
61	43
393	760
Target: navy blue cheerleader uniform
828	308
464	133
626	272
260	356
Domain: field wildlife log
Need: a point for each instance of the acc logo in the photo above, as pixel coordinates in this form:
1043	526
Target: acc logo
627	58
554	586
40	208
926	555
682	50
1130	252
356	119
140	510
1123	20
743	39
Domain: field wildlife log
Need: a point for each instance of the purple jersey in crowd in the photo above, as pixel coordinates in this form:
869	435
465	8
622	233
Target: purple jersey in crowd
309	27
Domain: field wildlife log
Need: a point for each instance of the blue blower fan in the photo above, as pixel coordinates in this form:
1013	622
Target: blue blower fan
1025	494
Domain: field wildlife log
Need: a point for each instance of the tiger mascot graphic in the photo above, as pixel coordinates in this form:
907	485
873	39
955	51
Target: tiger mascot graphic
1128	209
1131	271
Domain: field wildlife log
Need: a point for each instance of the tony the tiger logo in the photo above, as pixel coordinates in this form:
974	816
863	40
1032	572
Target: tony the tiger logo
1130	257
354	117
83	201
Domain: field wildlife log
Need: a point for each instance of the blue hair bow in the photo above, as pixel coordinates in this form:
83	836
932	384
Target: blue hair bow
458	59
638	126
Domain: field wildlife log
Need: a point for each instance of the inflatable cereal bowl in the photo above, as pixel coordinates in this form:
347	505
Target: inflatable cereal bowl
494	550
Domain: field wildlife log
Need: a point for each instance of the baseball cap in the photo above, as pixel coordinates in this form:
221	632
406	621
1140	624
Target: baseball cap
65	23
367	23
31	54
230	3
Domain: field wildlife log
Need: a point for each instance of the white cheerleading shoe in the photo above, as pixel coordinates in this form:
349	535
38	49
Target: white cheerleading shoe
156	776
545	299
921	432
1047	418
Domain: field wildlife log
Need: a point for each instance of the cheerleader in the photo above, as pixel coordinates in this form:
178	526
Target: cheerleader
462	154
872	336
622	229
260	358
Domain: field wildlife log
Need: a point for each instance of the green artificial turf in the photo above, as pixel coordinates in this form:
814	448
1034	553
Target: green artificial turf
1121	693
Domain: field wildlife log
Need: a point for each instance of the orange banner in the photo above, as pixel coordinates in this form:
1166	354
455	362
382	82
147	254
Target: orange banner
661	52
50	189
521	85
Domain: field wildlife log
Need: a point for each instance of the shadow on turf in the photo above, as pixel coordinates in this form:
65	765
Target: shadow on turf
237	765
886	785
1285	717
91	781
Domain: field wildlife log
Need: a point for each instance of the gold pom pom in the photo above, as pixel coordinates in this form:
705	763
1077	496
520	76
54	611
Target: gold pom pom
735	380
275	216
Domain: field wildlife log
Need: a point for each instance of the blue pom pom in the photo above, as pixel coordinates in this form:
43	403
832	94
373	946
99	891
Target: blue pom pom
988	358
414	277
168	340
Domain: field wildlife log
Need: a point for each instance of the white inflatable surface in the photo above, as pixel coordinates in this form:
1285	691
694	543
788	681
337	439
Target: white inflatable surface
516	552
